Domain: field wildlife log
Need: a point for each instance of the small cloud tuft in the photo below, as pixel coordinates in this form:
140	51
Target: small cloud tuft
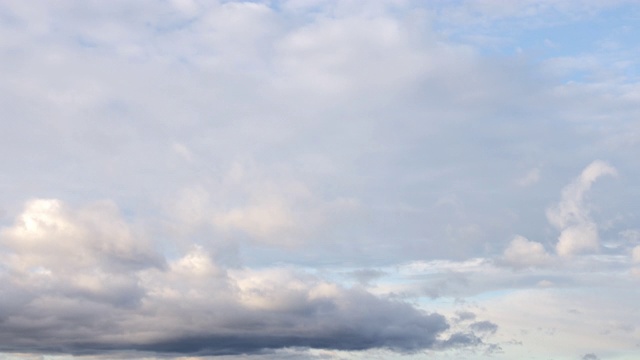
523	253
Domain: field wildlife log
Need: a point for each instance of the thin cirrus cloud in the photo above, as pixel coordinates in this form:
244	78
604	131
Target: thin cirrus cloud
314	179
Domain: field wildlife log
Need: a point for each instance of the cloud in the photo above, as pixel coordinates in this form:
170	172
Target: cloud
85	254
260	221
578	238
465	316
259	158
484	327
462	339
522	253
249	204
48	235
80	282
282	314
578	232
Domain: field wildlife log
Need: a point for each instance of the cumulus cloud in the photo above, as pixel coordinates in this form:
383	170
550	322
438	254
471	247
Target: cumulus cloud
50	237
521	253
578	232
240	142
80	281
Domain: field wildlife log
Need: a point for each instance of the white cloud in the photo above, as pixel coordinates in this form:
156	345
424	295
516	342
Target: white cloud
578	232
522	253
579	238
88	254
51	237
242	141
248	203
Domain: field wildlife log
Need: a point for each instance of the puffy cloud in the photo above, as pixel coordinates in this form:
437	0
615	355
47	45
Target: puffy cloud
522	252
237	138
88	249
88	254
81	281
578	238
578	232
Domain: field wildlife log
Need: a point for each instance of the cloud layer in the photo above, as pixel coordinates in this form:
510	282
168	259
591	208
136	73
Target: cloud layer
79	281
313	179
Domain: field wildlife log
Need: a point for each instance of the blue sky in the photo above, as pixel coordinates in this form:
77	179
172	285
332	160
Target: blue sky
315	179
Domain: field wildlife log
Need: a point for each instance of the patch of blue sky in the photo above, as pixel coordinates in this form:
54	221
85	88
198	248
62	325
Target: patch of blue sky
491	295
610	40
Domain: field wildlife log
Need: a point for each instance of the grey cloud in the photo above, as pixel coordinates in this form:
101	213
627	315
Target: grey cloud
234	138
460	339
64	296
486	327
79	326
465	316
396	332
364	276
590	356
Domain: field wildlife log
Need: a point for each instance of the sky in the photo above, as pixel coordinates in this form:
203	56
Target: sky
316	179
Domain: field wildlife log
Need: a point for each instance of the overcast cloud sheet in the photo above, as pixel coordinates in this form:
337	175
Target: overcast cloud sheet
315	179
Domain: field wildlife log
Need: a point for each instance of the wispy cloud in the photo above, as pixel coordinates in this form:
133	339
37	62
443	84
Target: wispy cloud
578	232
